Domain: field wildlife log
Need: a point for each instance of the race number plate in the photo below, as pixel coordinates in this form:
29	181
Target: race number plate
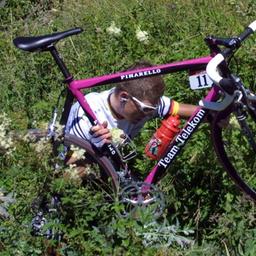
199	80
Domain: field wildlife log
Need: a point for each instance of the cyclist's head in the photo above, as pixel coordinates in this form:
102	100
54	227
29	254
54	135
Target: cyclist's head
147	88
139	98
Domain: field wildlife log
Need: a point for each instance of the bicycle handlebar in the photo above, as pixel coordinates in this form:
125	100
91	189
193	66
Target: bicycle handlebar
212	66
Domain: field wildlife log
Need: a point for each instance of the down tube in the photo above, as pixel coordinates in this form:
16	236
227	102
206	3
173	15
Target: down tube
180	141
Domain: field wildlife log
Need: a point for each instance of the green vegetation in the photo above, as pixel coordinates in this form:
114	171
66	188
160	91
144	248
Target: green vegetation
203	205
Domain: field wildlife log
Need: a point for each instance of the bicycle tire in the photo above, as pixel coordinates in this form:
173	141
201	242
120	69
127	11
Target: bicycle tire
236	156
108	172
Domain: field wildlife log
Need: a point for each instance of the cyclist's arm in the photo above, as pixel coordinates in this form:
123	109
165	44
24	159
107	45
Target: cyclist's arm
169	107
186	110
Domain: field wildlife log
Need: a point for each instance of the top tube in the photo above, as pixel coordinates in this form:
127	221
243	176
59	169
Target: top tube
75	86
192	64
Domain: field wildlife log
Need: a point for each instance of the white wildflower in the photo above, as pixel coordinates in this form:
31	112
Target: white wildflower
42	146
34	135
98	30
29	137
76	173
113	29
44	131
34	123
59	131
71	173
78	153
142	36
6	140
59	128
117	135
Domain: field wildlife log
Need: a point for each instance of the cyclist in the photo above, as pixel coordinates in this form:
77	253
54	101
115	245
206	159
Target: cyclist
127	107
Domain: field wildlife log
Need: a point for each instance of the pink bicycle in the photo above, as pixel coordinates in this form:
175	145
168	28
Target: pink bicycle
228	99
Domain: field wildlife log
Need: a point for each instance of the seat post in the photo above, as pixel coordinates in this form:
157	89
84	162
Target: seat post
68	78
60	63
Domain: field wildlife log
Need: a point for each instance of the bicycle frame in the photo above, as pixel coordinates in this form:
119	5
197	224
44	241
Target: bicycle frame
224	84
184	135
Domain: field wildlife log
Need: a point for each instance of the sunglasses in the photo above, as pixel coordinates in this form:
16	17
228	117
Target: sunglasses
146	109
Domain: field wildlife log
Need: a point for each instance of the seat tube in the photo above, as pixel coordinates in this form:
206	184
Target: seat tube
68	79
61	64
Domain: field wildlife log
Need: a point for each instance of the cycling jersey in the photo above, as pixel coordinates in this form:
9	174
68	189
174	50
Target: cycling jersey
79	125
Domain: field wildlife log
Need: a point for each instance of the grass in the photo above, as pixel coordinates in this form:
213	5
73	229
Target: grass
198	193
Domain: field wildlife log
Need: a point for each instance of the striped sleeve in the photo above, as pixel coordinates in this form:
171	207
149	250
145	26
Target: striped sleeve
78	124
164	106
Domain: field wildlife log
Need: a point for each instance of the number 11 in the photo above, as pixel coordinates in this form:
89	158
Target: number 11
200	82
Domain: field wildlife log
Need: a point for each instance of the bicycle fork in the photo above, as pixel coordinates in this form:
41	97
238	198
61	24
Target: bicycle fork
242	116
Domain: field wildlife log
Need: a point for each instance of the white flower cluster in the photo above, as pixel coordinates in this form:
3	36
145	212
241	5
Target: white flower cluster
6	140
113	29
78	153
141	35
71	173
74	172
59	129
42	147
117	136
42	142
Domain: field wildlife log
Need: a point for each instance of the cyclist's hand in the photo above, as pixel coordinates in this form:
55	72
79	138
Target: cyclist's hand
100	134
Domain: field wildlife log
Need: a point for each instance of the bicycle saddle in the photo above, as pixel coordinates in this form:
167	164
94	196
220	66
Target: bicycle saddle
40	43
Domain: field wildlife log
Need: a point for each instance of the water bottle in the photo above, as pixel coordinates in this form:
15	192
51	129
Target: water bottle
162	137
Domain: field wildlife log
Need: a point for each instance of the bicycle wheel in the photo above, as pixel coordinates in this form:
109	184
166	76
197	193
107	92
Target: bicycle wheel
234	139
102	172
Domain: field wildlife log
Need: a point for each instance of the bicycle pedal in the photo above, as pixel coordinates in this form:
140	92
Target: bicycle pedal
37	224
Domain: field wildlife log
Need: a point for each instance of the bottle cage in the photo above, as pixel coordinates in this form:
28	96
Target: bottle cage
126	149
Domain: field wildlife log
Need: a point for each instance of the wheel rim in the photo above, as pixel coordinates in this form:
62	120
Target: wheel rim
235	152
103	174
